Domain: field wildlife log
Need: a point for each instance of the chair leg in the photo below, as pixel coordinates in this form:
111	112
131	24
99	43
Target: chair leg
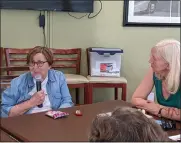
116	93
77	95
90	93
124	88
86	93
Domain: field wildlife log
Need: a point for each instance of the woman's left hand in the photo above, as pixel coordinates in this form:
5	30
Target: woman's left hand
151	107
172	111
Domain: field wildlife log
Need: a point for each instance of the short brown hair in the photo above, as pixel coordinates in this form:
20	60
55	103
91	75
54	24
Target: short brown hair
44	50
126	125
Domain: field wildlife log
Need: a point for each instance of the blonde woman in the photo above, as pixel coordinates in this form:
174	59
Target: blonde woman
164	74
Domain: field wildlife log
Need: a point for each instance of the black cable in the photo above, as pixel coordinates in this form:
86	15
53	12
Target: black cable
44	38
44	35
76	17
89	17
97	13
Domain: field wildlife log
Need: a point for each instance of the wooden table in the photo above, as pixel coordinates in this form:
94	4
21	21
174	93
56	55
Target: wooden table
5	137
38	127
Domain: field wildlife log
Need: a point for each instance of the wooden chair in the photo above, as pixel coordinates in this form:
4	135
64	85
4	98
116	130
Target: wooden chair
3	84
105	82
10	68
16	57
4	79
72	61
73	80
1	54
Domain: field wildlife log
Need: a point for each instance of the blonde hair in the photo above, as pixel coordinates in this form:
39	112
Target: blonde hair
169	50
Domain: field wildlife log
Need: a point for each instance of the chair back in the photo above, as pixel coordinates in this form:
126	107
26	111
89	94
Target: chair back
5	79
1	54
16	57
63	58
67	58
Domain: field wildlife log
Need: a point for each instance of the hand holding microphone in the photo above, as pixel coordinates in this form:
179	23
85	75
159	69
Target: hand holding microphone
38	79
39	97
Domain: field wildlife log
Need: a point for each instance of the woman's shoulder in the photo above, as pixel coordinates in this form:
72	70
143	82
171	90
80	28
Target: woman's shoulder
20	81
21	78
55	74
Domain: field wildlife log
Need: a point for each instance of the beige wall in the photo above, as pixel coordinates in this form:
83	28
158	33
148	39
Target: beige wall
20	29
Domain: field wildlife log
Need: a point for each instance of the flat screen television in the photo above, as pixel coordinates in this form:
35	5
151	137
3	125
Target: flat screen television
49	5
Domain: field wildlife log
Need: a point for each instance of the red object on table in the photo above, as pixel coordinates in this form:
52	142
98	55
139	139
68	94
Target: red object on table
78	113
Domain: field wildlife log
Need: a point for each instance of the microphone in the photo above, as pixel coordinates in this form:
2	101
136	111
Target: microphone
38	79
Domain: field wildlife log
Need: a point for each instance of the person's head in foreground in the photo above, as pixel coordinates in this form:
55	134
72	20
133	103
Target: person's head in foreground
126	125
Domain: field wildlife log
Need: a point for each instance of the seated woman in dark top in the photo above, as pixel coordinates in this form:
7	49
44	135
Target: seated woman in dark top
164	75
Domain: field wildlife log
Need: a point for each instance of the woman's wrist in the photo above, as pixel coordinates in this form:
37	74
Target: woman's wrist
29	104
163	112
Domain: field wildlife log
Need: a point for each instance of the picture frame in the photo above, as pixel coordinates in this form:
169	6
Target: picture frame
152	13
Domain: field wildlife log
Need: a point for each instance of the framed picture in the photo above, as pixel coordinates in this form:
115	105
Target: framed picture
152	13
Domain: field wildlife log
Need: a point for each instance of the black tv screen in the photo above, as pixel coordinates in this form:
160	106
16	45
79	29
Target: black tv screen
49	5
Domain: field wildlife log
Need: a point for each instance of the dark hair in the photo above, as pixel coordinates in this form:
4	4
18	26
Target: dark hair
44	50
126	125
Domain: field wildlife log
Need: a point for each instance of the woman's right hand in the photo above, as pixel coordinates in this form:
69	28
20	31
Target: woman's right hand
37	98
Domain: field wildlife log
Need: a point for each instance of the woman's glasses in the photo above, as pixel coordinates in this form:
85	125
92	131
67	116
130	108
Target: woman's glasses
39	63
